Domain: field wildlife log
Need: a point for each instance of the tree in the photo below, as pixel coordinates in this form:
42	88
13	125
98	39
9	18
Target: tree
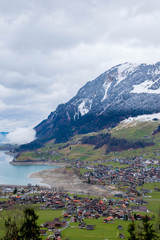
29	229
15	190
22	191
148	230
135	216
157	224
89	180
132	231
12	230
142	231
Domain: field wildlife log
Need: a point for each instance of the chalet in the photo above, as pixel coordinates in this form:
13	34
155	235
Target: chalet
121	235
143	209
57	234
90	227
119	227
97	216
42	207
82	225
65	215
87	214
51	226
43	232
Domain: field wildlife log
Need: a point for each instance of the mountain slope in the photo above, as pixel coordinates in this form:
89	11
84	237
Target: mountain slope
132	130
122	91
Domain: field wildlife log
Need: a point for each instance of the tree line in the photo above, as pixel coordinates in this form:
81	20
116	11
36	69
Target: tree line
113	144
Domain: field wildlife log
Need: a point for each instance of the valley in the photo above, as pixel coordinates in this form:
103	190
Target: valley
105	143
93	165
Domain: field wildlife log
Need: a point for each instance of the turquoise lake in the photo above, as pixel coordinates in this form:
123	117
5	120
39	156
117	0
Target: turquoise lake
18	175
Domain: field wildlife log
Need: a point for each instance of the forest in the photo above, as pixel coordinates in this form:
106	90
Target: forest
113	144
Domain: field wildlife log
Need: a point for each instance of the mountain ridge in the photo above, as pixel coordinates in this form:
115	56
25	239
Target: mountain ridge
125	90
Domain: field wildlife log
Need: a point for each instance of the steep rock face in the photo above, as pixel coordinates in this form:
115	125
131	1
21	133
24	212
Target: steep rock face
122	91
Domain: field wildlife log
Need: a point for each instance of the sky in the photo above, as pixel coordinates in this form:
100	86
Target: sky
49	49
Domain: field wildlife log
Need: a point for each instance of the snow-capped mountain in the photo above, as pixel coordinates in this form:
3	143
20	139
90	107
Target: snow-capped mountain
123	91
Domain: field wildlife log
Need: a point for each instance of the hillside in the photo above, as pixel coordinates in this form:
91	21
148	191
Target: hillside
132	132
126	90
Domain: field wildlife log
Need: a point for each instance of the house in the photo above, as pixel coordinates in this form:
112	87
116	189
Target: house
119	227
43	232
121	235
143	209
42	207
57	234
97	216
82	225
90	227
51	226
65	215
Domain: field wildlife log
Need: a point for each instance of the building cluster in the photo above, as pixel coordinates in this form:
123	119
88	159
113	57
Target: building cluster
76	208
135	173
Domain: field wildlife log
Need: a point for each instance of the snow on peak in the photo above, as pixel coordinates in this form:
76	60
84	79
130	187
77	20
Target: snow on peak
144	87
124	70
85	106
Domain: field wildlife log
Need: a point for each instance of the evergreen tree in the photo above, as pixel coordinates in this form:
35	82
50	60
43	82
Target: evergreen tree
148	230
12	231
15	190
142	231
157	224
89	180
132	231
29	229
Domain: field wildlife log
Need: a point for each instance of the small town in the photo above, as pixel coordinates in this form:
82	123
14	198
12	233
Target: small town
79	120
136	173
131	202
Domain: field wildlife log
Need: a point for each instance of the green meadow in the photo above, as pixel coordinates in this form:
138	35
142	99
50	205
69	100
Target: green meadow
74	150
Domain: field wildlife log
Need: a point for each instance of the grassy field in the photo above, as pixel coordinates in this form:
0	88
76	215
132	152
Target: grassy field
74	150
102	231
139	131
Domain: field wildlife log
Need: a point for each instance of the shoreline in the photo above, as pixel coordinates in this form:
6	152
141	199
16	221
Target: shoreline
63	180
60	179
36	163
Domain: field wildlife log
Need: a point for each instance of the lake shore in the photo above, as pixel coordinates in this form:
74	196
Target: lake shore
69	182
29	162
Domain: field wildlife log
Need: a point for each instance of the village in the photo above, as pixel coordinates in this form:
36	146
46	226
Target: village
133	172
130	202
130	205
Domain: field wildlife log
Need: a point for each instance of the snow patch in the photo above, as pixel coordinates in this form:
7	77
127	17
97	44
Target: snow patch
157	71
85	107
76	115
133	121
82	109
145	88
68	116
124	70
106	86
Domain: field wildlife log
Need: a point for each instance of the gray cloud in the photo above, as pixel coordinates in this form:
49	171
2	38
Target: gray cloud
49	49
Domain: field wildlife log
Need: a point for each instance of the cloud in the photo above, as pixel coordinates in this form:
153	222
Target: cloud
49	49
21	136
